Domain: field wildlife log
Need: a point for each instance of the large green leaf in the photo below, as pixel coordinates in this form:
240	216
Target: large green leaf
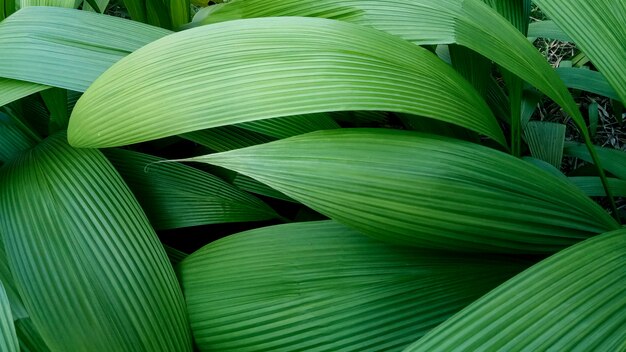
470	23
12	140
322	286
599	29
67	48
290	66
587	80
104	282
547	29
175	195
8	338
423	190
11	90
572	301
592	186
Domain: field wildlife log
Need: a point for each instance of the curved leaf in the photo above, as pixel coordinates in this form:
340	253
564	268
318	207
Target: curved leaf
8	338
613	160
290	126
592	186
290	66
105	282
175	195
12	140
221	139
547	29
586	80
572	301
545	141
11	90
423	190
599	29
322	286
67	48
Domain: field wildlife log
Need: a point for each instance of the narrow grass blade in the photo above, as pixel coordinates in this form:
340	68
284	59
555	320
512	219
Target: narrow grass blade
105	282
175	195
423	190
322	286
572	301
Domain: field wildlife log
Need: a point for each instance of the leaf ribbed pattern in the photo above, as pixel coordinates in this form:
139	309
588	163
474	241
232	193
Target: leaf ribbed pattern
175	195
592	186
587	80
599	29
572	301
545	141
67	48
8	338
322	286
613	160
221	139
289	126
11	90
90	269
289	66
12	140
423	190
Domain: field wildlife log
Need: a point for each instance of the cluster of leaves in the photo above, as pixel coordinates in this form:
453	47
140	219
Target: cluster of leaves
414	204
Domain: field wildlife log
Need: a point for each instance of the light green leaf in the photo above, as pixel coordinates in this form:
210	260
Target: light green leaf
290	126
423	190
599	30
586	80
105	282
175	195
545	141
67	48
290	66
11	90
8	338
251	185
322	286
572	301
613	160
547	29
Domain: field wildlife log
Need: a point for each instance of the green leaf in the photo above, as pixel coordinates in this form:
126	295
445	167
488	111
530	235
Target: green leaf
613	160
423	190
12	140
325	287
67	48
572	301
105	282
599	30
175	255
12	90
586	80
175	195
290	126
101	5
8	338
286	69
251	185
221	139
547	29
29	337
56	102
592	186
545	141
69	4
593	117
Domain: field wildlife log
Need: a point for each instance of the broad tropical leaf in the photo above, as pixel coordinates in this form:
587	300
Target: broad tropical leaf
599	29
325	287
423	190
175	195
572	301
11	90
8	338
67	48
289	126
112	286
290	66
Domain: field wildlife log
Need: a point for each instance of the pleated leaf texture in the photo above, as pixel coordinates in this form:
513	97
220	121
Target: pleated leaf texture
8	337
321	286
572	301
175	195
90	269
423	190
289	66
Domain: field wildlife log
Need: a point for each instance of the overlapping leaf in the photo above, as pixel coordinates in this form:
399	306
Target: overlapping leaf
11	90
572	301
599	29
423	190
613	160
104	283
67	48
322	286
175	195
8	338
290	66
